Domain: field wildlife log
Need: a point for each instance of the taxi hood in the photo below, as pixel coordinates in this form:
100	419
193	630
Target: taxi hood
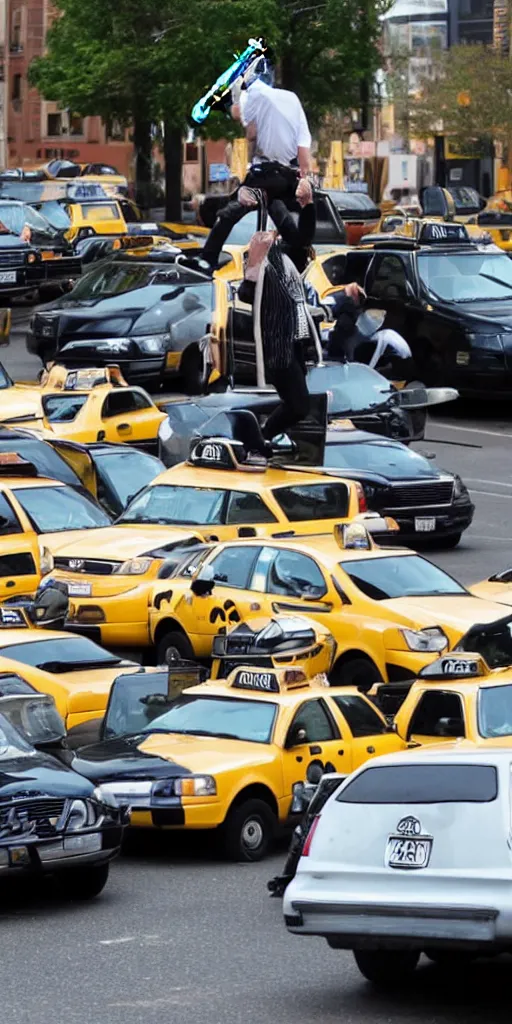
119	542
455	613
207	755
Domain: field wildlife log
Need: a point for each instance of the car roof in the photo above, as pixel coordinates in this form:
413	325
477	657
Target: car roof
498	677
22	635
458	752
194	476
16	483
287	698
321	546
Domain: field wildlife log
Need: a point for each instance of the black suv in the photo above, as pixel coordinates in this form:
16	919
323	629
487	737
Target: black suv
450	298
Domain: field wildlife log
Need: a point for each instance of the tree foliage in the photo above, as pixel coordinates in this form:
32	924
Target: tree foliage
468	95
148	61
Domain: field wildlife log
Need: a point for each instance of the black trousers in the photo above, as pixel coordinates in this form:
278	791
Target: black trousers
291	387
280	184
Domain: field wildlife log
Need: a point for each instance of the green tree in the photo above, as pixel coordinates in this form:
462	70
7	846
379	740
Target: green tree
145	62
467	96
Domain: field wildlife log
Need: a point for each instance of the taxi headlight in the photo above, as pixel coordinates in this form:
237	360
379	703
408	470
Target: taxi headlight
134	567
82	814
165	430
431	639
196	785
45	560
104	796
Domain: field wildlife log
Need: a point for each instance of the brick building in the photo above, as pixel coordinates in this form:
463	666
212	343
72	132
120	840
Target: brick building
36	130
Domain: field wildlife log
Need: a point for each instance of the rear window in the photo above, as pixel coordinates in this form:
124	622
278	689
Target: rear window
313	501
423	784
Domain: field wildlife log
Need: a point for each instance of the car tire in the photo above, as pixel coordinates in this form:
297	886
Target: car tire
446	543
174	645
191	370
248	831
360	672
386	967
82	883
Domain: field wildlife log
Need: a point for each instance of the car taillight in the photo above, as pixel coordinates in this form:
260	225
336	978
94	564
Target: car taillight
361	497
309	837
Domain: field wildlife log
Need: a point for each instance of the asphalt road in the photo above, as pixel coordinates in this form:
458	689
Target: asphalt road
183	938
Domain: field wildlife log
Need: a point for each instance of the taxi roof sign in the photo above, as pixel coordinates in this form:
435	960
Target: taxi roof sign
456	666
439	231
223	453
267	680
81	191
13	464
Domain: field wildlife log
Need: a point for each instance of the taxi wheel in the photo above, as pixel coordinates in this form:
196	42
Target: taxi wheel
248	831
174	645
386	967
82	883
359	672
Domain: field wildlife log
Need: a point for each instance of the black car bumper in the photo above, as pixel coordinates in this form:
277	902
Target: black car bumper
21	279
65	268
21	854
447	522
134	366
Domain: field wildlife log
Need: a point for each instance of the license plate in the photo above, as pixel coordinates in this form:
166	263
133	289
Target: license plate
8	277
80	589
19	856
408	853
424	525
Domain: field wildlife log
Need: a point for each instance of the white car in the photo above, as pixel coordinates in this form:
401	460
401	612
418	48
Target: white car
413	853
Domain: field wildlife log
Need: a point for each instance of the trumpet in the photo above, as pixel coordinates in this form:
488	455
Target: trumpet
255	49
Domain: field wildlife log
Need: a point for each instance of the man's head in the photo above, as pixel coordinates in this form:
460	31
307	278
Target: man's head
259	71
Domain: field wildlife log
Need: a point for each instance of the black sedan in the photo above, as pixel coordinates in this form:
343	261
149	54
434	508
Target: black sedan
429	504
52	820
144	313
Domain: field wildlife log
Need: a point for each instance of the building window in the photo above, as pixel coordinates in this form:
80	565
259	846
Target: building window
76	124
16	44
191	153
54	125
16	88
115	131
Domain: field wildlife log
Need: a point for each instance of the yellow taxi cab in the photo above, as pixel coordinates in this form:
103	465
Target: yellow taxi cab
73	669
458	697
190	502
34	513
497	587
226	755
88	405
23	557
390	611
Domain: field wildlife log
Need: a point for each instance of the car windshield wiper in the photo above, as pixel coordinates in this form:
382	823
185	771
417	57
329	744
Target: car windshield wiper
195	732
73	666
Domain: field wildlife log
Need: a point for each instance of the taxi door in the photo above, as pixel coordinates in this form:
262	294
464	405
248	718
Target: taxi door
314	737
367	731
128	414
231	600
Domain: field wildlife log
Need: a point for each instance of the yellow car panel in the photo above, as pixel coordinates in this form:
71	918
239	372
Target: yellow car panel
96	216
20	563
476	708
118	603
280	757
80	691
378	637
105	412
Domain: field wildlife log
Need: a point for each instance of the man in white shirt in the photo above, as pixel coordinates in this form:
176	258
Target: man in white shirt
279	139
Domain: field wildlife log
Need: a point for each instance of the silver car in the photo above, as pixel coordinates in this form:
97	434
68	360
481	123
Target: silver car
412	854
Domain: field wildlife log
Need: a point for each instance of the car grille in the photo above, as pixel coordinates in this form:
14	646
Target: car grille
24	818
91	566
421	495
12	259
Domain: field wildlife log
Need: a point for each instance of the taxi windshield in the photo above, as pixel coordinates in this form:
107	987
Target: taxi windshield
495	711
466	277
190	506
124	473
395	461
399	576
52	509
62	654
221	717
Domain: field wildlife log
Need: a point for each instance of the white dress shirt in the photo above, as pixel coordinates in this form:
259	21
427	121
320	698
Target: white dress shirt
279	120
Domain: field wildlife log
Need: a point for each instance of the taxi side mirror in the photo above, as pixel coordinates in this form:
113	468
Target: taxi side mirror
203	583
297	737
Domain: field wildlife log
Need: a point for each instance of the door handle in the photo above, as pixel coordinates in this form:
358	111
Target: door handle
315	750
124	426
370	750
341	752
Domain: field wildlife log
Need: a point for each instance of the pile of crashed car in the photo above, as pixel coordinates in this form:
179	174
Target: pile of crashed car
200	633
